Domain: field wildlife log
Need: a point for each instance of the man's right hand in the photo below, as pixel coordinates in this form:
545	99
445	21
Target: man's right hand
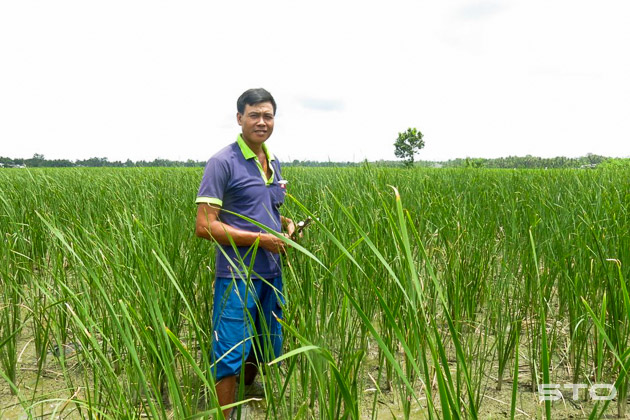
272	243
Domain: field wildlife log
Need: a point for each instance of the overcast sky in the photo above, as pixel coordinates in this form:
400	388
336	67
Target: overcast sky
147	79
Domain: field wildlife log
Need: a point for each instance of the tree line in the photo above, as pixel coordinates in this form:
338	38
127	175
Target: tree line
510	162
39	161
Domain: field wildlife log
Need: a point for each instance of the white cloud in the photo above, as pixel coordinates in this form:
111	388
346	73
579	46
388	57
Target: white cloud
480	10
321	104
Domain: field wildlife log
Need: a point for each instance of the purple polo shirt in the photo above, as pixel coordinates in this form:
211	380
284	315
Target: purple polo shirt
235	181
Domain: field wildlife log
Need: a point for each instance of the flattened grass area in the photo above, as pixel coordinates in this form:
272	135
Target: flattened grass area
413	296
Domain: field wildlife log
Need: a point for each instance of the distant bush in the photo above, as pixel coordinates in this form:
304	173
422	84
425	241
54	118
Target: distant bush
612	163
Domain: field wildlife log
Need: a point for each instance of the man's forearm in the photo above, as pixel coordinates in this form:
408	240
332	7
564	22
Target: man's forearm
208	226
226	235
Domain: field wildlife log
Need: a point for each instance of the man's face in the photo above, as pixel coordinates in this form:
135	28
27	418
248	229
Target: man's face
256	122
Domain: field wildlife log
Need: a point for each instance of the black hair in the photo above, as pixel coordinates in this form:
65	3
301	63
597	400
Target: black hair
253	97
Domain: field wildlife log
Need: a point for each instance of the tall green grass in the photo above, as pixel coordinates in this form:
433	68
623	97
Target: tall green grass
417	293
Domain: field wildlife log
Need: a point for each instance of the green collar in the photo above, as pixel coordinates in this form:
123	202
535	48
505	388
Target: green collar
249	154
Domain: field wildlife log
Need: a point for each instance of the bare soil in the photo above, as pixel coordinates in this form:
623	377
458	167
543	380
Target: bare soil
50	397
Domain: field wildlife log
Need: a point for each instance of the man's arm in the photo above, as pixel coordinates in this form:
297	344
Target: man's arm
208	226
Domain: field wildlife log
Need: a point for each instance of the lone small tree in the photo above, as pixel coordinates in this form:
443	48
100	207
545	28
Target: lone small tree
408	144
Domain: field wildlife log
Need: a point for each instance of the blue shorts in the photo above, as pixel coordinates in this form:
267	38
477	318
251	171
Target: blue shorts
244	314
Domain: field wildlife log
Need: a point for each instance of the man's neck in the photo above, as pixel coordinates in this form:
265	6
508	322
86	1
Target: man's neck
256	148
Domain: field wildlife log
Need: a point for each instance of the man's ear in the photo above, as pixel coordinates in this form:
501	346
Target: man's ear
239	118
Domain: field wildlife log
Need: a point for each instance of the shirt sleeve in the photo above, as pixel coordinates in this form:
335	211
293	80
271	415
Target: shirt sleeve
214	182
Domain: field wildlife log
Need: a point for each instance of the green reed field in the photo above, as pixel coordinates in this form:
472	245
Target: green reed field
417	294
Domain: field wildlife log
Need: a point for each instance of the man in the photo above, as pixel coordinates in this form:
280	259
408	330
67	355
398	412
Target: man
244	179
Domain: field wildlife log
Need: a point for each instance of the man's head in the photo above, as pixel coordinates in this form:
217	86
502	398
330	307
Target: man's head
253	97
256	111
